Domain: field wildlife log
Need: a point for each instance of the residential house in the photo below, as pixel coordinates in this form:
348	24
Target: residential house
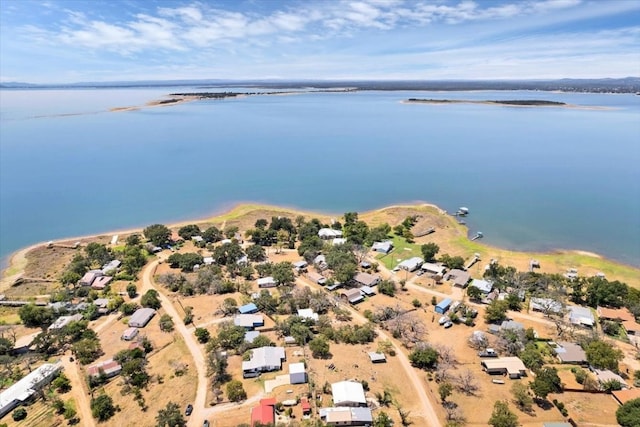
367	291
411	264
63	321
376	357
23	343
483	285
249	336
101	282
344	416
316	278
264	413
512	325
89	277
354	296
308	314
112	265
546	305
248	321
129	334
141	317
263	359
460	277
433	269
109	368
582	316
621	315
267	282
102	304
443	306
512	366
382	247
348	393
320	262
297	374
300	265
571	353
23	390
604	375
329	233
248	308
366	279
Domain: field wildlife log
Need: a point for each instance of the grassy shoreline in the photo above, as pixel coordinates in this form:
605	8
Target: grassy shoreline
451	237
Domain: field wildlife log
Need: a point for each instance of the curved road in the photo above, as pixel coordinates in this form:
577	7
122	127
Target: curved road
198	415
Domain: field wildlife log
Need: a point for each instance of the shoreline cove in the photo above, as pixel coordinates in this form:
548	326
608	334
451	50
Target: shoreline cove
17	261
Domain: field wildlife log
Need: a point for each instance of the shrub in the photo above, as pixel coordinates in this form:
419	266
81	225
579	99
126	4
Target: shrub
19	414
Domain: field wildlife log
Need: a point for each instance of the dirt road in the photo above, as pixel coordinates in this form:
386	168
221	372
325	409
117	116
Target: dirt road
198	414
79	391
428	411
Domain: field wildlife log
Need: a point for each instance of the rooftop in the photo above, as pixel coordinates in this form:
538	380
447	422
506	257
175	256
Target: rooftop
345	392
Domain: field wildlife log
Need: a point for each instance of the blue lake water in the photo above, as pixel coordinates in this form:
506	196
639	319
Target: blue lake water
533	178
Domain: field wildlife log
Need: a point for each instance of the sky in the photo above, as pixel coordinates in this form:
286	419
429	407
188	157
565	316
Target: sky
127	40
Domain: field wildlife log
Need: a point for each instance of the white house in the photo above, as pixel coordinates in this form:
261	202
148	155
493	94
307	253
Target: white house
267	282
263	359
307	313
435	269
297	374
382	247
348	393
26	388
483	285
411	264
329	233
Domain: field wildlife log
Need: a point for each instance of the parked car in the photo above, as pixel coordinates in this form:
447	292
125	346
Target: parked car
189	410
448	324
488	353
420	273
443	320
205	423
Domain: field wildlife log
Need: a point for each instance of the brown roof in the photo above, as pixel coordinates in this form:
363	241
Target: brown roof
623	396
630	325
621	314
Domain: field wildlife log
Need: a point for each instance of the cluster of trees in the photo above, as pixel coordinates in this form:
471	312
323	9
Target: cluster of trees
84	342
170	416
404	228
102	407
595	291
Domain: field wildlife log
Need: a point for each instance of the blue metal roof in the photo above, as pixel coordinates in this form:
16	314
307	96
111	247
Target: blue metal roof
248	308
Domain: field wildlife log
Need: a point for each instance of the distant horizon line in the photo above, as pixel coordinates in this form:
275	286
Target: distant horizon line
18	84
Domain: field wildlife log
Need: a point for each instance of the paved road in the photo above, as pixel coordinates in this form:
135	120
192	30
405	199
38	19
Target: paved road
198	415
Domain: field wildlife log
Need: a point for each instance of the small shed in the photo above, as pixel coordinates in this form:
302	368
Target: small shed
382	247
248	308
129	334
141	317
377	357
297	374
266	282
443	306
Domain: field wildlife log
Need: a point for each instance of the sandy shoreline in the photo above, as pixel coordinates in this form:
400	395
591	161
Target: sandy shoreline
17	261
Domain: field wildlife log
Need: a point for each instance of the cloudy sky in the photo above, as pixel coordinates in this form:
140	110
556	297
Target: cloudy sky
91	40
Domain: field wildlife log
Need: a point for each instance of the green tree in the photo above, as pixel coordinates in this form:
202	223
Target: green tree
189	231
429	251
235	391
387	287
382	420
87	350
521	397
452	262
151	299
157	234
628	414
102	407
203	335
424	357
283	273
602	355
546	381
34	316
132	240
502	415
230	336
170	416
474	293
319	347
496	311
212	235
70	278
132	290
444	390
166	323
532	358
61	383
256	253
98	253
19	414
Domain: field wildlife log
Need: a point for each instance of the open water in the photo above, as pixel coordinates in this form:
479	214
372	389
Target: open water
533	178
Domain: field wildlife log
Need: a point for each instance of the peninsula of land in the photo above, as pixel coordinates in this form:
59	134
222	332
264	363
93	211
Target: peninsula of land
225	318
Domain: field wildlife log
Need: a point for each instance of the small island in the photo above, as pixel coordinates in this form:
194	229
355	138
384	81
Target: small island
513	102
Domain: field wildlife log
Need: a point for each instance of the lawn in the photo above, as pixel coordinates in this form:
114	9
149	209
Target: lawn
401	250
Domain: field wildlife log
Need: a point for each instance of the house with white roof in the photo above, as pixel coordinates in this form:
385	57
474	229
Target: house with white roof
582	316
483	285
348	393
63	321
22	391
267	282
411	264
382	247
307	313
329	233
433	269
263	359
345	416
546	305
248	321
297	374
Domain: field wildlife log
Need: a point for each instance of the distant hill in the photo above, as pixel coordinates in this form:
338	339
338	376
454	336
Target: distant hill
604	85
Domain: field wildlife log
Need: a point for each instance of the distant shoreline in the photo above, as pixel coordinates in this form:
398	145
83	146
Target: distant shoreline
17	261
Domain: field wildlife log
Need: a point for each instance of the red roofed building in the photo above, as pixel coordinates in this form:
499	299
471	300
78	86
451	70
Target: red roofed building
264	413
306	406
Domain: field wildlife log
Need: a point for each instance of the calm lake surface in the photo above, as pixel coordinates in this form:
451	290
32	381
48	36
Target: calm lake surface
533	178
